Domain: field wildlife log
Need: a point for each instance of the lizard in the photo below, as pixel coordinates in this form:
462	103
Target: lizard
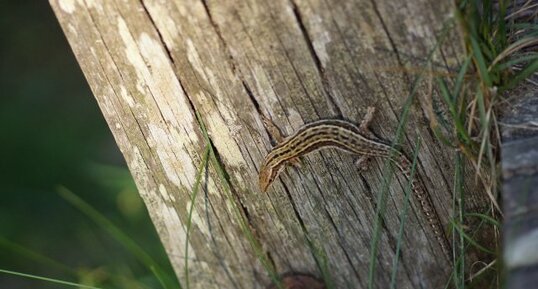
350	138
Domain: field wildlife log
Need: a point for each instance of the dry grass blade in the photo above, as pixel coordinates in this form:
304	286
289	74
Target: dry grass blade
523	9
473	276
513	48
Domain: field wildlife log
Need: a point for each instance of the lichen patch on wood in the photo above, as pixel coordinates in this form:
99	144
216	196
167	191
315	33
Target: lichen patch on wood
68	6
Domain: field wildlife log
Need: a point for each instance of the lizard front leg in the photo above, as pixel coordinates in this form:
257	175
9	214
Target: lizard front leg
362	161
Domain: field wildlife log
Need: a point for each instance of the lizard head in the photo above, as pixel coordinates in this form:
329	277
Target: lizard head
267	175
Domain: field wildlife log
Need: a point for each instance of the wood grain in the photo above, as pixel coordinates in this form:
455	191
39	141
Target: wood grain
152	64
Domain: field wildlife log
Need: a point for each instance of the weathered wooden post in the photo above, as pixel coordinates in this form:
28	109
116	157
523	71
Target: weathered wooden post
153	65
520	190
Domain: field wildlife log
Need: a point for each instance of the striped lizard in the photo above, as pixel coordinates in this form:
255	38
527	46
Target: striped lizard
349	138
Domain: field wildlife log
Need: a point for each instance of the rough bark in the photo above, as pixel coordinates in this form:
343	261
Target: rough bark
153	64
520	189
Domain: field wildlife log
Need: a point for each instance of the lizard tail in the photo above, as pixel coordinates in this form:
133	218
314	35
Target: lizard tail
425	201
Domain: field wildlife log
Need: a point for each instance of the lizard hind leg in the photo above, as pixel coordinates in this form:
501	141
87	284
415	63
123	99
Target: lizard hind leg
366	120
296	163
362	162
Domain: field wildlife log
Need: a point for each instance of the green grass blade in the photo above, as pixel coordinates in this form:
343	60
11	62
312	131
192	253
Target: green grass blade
403	217
501	30
522	75
485	218
442	137
115	232
458	203
480	62
388	169
481	108
512	49
468	238
51	280
484	128
460	261
460	78
447	96
238	213
388	172
194	193
243	224
486	17
517	60
524	26
320	256
35	256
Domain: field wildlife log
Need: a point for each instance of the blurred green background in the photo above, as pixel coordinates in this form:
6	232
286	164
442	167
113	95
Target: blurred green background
52	134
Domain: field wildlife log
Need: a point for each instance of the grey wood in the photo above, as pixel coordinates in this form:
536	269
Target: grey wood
519	158
153	64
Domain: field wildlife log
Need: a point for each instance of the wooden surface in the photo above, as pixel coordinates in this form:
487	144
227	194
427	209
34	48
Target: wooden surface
153	64
520	190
